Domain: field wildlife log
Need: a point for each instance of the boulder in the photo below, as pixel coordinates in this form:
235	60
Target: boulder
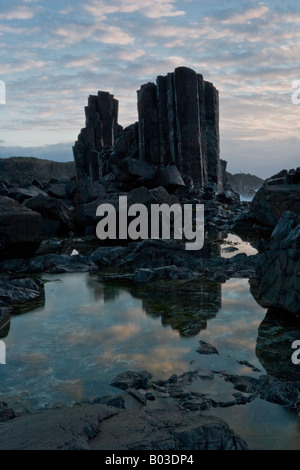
58	190
169	177
22	293
270	202
138	169
22	194
53	209
21	229
278	267
131	379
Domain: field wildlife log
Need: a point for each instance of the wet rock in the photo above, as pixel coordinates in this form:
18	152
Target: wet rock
162	430
101	427
21	293
131	379
165	272
60	429
206	348
6	413
52	263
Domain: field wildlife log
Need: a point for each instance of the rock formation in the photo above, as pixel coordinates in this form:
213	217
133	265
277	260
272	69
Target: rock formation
278	267
178	126
280	193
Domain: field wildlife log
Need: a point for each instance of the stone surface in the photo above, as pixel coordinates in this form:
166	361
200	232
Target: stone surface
131	379
178	125
21	293
206	348
270	202
100	131
21	229
53	209
278	267
6	413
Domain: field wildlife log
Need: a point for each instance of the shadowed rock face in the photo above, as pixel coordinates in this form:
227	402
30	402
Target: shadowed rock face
278	267
178	124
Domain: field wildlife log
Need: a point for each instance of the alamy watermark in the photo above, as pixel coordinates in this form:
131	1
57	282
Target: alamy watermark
296	93
296	355
162	222
2	352
2	92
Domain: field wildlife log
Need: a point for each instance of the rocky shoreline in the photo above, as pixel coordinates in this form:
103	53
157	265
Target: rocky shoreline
171	156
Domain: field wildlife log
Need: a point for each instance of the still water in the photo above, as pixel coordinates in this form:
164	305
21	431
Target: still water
87	332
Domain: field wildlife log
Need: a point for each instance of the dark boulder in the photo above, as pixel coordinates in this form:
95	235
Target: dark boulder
271	201
278	267
169	177
53	209
21	229
22	194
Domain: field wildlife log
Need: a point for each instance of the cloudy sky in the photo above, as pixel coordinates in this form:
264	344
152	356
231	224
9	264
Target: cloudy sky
54	53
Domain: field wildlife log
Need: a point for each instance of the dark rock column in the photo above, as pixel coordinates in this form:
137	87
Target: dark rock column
172	121
163	120
188	124
212	132
101	127
149	144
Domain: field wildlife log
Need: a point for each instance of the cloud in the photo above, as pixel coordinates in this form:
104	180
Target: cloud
246	16
19	66
148	8
19	13
74	33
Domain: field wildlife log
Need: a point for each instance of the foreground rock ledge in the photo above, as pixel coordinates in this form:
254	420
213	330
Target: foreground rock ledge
102	427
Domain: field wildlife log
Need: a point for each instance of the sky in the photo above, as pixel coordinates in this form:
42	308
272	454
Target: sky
55	53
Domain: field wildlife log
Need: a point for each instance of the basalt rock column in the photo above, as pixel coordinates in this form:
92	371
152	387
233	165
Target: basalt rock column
149	143
100	131
212	132
189	137
179	125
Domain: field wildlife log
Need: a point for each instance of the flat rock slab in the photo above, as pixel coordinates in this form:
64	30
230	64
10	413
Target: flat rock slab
100	427
66	428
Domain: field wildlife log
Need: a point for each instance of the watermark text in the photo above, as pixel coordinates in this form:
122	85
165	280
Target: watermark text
2	352
159	222
2	92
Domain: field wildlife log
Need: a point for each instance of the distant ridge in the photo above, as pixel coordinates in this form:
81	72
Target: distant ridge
245	184
17	170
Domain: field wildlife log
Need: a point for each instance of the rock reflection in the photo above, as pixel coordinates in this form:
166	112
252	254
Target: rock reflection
4	323
276	334
186	306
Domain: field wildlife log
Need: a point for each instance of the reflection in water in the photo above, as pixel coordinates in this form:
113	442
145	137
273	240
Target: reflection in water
185	306
274	350
87	332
